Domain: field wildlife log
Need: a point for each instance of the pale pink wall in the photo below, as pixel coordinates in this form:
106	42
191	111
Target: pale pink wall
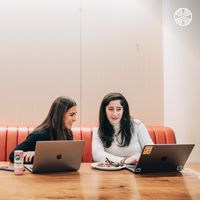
122	51
51	48
40	57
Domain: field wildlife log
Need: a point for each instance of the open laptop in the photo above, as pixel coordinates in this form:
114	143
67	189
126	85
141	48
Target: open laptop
56	156
162	158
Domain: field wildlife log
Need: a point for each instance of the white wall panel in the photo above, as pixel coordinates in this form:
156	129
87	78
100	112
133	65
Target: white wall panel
122	51
40	57
181	74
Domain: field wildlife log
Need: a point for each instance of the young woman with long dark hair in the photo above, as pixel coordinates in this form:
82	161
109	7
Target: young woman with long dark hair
56	126
119	137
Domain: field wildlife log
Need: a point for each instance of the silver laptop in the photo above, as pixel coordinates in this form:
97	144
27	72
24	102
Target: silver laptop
162	158
56	156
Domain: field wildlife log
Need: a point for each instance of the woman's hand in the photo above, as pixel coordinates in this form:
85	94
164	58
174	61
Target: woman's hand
132	160
28	156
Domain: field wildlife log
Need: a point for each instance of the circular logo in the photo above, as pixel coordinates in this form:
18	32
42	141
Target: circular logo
183	16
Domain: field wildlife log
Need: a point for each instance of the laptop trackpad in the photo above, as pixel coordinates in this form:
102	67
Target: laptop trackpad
131	167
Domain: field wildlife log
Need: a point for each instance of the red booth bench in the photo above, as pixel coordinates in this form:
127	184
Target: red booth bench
10	137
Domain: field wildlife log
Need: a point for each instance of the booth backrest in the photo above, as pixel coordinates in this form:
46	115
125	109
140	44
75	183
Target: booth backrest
10	137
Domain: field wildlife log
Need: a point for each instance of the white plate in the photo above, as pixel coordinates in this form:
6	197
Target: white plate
111	168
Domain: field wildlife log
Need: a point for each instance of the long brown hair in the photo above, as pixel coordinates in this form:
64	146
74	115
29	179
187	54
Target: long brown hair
55	119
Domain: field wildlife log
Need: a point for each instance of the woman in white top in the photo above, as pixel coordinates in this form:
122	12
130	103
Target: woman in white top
118	138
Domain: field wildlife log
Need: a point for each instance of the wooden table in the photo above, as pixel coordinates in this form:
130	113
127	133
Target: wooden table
89	183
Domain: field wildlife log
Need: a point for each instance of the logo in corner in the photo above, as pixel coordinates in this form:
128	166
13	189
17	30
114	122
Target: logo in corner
183	16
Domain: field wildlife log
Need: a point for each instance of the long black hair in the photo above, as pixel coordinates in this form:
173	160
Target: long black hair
106	130
55	119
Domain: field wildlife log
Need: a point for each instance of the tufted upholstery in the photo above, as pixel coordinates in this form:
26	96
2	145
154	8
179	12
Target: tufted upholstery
10	137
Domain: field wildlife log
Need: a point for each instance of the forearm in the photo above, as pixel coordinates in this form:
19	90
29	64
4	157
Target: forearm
100	156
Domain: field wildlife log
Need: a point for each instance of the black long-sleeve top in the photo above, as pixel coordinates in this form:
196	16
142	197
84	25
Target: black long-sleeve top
30	142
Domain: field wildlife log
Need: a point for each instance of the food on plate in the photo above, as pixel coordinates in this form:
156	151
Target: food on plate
109	163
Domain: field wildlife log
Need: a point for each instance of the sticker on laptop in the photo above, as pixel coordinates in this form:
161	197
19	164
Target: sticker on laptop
147	150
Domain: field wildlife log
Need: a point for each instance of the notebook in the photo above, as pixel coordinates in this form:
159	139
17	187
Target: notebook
162	158
56	156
